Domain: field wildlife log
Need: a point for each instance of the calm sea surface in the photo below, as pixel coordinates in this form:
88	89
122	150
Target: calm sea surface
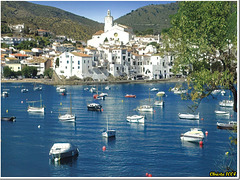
153	148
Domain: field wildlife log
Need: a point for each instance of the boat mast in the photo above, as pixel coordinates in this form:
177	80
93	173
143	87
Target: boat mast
70	103
107	124
40	100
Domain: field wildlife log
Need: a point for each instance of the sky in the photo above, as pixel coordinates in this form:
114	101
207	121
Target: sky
97	10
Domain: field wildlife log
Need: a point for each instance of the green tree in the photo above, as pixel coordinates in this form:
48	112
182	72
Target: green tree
27	45
203	39
57	62
48	72
29	71
7	72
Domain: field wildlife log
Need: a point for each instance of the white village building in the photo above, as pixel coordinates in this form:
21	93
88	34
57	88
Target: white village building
112	34
74	64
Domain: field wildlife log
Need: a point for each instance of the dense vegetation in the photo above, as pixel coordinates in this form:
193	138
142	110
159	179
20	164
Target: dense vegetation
150	19
203	39
49	18
27	72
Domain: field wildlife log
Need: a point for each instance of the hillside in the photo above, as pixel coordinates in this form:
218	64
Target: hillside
49	18
154	17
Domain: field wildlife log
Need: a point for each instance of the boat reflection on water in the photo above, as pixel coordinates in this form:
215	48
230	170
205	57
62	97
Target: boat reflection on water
36	115
137	126
70	161
188	144
110	140
192	149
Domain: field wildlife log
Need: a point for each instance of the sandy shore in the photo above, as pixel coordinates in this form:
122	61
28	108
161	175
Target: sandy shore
50	82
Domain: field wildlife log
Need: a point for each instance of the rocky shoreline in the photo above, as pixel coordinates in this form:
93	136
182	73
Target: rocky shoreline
78	82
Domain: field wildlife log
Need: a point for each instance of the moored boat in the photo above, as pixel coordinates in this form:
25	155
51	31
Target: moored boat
109	132
188	116
154	89
222	113
94	107
12	118
159	103
35	109
67	117
136	119
230	125
5	94
145	108
93	90
130	96
180	91
160	93
63	150
24	90
226	103
194	135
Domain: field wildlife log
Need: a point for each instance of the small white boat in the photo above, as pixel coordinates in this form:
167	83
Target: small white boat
92	90
107	87
63	150
174	89
188	116
195	135
94	107
154	89
67	117
222	113
103	94
24	90
223	92
109	133
5	94
216	91
159	103
37	88
180	91
61	89
136	119
35	109
226	103
160	93
145	108
86	89
228	125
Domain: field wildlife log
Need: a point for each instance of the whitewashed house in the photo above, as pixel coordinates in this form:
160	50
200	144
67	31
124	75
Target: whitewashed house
74	64
112	34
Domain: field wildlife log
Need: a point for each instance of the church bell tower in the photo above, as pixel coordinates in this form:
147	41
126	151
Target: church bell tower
108	21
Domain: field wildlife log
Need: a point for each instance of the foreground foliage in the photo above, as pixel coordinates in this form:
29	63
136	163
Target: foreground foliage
203	39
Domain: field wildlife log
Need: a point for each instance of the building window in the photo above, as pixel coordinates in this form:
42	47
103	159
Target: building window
65	67
67	62
73	68
78	67
84	61
78	62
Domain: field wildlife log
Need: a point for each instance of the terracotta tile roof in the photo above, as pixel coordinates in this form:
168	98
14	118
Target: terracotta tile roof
80	54
99	32
20	55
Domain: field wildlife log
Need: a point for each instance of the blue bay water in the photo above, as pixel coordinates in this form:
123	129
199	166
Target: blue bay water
154	147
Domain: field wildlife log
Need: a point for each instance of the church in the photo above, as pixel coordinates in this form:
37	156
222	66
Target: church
116	34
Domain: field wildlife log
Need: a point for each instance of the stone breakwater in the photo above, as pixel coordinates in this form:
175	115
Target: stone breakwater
79	82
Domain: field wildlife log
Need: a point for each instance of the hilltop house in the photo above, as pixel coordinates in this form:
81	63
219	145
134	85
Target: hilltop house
112	34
